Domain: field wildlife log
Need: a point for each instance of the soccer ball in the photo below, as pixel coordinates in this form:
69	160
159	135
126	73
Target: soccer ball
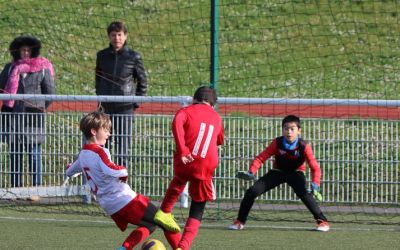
153	244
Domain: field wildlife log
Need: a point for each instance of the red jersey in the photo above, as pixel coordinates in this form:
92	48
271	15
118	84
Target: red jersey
198	131
294	160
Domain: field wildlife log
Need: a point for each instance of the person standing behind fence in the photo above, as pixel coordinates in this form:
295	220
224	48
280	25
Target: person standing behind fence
120	71
23	121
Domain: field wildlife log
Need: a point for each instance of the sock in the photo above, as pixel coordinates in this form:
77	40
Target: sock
172	238
191	228
137	236
175	188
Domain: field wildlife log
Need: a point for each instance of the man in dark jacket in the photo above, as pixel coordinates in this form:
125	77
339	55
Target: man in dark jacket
120	71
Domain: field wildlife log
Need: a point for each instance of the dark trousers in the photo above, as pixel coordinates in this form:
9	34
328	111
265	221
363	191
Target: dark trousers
274	178
121	137
17	164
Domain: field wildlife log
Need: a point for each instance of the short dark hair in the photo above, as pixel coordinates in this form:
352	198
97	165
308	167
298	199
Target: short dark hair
32	42
206	94
94	120
117	26
291	118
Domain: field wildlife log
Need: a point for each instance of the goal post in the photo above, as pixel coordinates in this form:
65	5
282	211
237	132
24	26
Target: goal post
360	172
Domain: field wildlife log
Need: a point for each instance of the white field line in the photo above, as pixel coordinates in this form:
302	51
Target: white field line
54	220
206	225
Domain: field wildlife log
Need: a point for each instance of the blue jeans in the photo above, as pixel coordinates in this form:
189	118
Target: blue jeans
17	164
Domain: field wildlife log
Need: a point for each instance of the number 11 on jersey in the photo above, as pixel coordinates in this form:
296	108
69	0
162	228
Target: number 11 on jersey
199	139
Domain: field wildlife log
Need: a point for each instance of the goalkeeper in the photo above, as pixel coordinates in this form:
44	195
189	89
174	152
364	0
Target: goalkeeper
290	152
108	182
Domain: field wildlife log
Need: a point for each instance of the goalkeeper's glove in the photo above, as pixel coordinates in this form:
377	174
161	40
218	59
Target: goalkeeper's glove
245	175
315	191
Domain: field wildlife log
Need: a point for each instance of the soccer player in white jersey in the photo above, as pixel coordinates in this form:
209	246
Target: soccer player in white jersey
108	183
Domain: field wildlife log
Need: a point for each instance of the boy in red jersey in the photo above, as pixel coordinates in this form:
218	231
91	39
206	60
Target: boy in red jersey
108	182
198	131
290	152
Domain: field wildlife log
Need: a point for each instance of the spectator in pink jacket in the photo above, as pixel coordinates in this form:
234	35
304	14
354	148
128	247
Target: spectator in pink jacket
23	121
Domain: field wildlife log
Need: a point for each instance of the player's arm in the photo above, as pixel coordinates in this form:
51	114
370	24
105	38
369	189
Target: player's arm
3	82
221	135
140	75
4	77
315	172
47	85
257	162
115	170
179	134
98	75
109	167
73	169
263	156
313	164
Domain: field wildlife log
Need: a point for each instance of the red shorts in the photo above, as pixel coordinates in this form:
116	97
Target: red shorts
132	213
202	190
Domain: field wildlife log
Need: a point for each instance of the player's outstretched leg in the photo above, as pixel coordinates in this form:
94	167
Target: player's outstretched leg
138	235
312	205
167	221
298	182
172	238
164	216
265	183
245	207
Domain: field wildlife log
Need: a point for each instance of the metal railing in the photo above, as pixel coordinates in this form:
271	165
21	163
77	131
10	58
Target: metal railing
359	158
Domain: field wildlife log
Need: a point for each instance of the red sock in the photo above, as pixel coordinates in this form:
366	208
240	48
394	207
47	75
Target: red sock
172	238
175	188
189	233
137	236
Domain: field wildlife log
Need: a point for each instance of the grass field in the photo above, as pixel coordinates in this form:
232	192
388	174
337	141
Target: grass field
24	230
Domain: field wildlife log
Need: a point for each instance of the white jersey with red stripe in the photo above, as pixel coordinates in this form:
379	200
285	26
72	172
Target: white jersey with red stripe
106	179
